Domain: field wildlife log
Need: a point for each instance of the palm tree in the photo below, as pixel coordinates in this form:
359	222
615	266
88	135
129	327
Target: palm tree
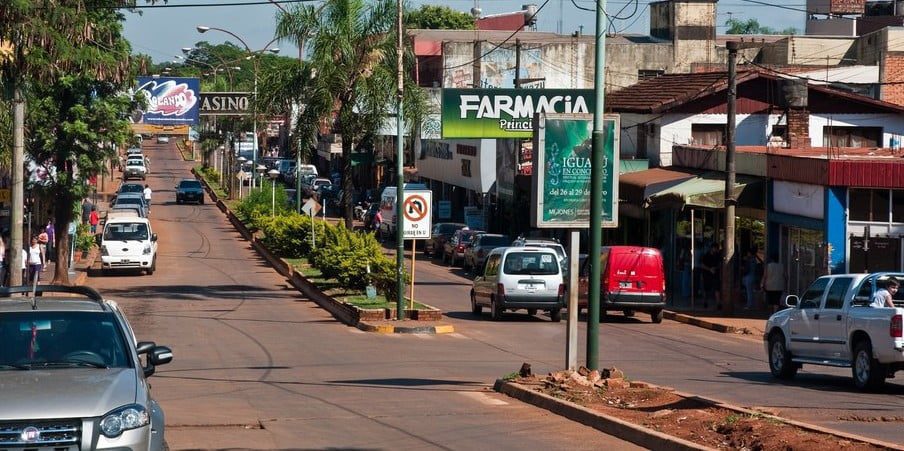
352	52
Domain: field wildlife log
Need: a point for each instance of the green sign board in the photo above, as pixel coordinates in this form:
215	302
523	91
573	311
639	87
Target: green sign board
562	166
506	113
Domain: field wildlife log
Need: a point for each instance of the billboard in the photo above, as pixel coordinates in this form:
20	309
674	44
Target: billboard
506	113
560	189
225	103
170	101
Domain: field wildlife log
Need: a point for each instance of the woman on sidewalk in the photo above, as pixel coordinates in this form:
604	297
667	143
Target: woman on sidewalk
773	282
35	261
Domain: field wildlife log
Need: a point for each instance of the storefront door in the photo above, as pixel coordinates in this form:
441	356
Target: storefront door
875	254
804	257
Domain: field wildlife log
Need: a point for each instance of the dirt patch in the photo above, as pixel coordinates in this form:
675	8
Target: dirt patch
693	420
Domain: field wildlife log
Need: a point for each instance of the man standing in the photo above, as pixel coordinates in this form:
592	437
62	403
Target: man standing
50	230
86	210
147	196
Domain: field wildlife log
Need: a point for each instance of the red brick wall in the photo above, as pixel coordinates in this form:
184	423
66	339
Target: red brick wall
798	128
891	70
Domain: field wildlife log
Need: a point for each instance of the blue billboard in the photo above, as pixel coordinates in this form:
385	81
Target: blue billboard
170	101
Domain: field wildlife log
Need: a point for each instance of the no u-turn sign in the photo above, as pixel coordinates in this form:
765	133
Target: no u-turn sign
416	211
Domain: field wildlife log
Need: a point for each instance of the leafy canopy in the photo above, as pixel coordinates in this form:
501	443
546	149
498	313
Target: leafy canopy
752	26
438	18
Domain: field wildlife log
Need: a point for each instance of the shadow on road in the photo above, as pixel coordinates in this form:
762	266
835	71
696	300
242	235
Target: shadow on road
406	382
195	292
813	381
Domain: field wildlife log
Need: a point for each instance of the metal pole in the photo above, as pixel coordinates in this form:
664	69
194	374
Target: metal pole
574	256
272	197
400	177
693	268
413	258
596	191
728	259
254	118
16	212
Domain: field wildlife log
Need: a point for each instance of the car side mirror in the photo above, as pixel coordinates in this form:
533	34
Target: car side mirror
145	347
791	301
160	355
153	237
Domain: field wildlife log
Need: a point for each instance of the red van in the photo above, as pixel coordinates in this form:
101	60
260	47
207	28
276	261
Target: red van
632	279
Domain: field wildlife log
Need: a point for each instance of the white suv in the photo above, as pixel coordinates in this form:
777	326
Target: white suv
129	243
520	278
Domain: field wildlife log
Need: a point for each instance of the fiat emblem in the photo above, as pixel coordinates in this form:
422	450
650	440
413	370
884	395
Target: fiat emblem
30	434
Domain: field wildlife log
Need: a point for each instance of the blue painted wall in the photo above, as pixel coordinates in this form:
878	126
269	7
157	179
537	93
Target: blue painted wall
836	228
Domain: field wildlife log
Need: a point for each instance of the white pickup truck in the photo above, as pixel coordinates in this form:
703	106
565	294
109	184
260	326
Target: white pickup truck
833	324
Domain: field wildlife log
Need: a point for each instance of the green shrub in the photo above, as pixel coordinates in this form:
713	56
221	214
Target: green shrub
289	235
258	205
347	255
84	239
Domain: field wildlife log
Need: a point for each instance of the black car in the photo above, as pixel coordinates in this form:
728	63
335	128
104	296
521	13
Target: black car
189	190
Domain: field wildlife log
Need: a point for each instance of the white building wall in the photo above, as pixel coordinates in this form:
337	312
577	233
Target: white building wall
446	166
892	125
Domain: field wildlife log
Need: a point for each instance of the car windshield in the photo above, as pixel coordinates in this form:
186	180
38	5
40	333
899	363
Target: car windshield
124	231
530	264
131	188
128	201
190	184
53	340
135	163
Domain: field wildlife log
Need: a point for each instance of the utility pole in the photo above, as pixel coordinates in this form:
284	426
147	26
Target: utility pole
596	189
16	211
730	201
400	165
517	63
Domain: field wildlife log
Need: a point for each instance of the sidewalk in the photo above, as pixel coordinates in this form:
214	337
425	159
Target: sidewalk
740	321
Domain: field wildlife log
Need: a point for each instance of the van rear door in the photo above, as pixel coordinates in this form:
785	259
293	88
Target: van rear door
635	275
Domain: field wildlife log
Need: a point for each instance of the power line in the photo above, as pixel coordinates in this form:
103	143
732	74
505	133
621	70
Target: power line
202	5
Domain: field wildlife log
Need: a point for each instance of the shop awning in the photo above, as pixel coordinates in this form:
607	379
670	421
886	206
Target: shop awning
681	187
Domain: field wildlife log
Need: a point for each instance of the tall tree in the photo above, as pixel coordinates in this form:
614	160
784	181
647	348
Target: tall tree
352	53
49	42
435	17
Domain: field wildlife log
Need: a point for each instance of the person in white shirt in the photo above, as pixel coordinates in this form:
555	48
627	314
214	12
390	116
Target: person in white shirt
884	296
147	196
35	261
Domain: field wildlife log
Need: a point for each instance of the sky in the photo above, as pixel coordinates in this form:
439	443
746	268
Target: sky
163	32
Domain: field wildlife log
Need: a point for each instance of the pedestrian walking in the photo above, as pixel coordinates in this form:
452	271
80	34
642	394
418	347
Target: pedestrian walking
147	196
50	230
24	268
749	278
35	262
3	261
94	219
86	210
773	282
711	265
42	244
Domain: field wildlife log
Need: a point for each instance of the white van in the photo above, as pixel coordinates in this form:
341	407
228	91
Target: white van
520	278
388	206
129	243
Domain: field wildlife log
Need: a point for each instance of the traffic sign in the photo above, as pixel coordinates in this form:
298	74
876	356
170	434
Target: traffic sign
416	210
311	207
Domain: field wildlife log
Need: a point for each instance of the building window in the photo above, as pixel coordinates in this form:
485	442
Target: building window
709	135
430	71
851	136
870	205
644	74
897	206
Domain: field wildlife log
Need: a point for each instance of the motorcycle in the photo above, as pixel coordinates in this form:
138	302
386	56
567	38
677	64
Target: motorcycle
361	209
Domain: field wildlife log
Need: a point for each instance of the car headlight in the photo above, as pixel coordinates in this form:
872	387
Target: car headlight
147	250
132	416
103	251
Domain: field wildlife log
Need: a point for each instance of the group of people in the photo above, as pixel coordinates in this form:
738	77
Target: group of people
35	256
756	276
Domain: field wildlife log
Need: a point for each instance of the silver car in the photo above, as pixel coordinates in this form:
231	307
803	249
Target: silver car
71	373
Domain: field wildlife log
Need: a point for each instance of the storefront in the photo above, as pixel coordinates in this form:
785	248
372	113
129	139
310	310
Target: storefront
461	173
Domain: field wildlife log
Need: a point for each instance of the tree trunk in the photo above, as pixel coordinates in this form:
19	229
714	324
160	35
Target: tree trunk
347	186
62	217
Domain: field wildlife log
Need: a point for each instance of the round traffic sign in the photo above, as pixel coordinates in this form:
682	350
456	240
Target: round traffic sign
415	208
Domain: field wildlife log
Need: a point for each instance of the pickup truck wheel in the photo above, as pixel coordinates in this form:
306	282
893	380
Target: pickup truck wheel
656	316
555	315
475	307
531	312
868	373
780	363
495	310
153	267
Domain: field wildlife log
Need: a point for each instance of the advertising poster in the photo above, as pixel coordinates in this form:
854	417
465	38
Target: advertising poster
562	171
170	101
506	113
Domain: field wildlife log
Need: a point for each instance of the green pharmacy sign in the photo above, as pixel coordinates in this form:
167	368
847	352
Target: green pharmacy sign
506	113
560	192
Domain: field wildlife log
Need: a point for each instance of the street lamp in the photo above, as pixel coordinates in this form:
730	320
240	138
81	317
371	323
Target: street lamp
241	173
274	50
261	169
273	173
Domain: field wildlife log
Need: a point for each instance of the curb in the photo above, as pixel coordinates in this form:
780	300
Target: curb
391	329
616	427
653	439
694	321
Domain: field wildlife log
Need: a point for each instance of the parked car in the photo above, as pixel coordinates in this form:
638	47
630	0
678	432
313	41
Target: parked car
454	249
520	278
132	200
481	246
441	233
162	139
545	242
130	188
315	186
85	386
133	151
833	324
631	279
129	243
330	196
189	190
135	169
125	211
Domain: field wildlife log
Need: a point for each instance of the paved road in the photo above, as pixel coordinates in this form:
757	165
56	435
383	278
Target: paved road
727	367
258	366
